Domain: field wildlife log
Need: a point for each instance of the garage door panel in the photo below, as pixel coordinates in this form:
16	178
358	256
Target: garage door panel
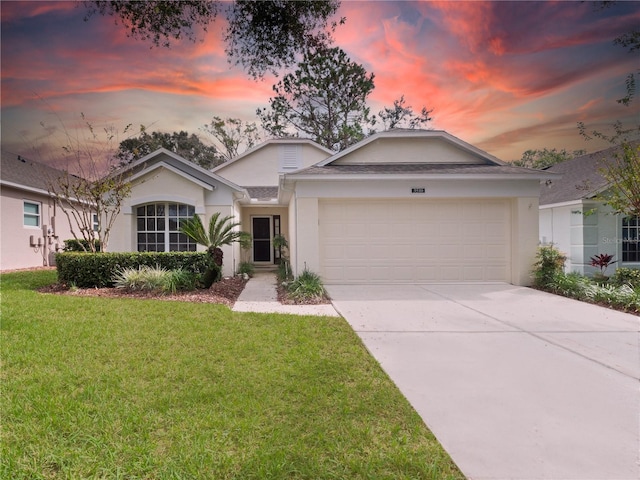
414	240
473	274
356	252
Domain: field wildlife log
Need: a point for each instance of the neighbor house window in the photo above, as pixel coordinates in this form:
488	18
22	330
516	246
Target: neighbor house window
31	214
95	223
159	227
631	239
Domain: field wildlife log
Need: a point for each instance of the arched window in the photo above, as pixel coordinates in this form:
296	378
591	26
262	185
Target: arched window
159	227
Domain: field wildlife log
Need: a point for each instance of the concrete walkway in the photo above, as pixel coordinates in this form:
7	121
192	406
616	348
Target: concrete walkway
259	295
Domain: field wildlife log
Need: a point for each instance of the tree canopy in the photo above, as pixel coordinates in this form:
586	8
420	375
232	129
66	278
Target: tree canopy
188	146
261	36
401	115
325	99
545	157
231	135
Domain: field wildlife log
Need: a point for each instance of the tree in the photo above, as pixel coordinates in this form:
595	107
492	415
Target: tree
402	116
622	169
231	134
185	145
623	174
544	158
92	198
269	35
261	36
324	99
222	231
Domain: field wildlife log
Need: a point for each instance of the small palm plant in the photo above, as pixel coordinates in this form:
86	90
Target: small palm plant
222	231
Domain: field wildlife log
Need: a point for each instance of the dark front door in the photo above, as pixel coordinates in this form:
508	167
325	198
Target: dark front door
261	239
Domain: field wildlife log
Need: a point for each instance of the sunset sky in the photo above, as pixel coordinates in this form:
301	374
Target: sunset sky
504	76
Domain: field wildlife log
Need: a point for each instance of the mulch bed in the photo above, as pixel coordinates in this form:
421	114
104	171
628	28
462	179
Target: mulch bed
224	292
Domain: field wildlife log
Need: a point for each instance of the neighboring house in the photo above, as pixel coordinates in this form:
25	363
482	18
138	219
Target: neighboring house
400	206
578	223
33	227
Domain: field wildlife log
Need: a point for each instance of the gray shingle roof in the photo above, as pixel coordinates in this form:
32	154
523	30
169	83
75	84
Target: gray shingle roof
263	193
27	173
413	168
581	178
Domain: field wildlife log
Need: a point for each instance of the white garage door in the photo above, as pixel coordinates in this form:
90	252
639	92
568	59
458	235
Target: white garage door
369	241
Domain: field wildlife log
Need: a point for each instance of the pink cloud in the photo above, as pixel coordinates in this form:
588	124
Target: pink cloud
13	10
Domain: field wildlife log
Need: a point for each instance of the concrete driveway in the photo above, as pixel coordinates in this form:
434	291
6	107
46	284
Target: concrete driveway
515	383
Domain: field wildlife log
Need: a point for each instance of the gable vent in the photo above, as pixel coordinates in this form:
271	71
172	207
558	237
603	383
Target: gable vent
290	157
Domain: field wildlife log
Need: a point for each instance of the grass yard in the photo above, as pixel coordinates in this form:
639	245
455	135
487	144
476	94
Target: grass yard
150	389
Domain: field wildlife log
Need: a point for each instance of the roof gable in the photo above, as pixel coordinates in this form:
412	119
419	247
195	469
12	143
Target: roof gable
402	146
249	154
261	166
178	165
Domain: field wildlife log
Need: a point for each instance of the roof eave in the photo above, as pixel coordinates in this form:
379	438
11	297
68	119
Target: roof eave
26	188
451	176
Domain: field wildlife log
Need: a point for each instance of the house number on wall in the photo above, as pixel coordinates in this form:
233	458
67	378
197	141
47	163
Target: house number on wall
418	190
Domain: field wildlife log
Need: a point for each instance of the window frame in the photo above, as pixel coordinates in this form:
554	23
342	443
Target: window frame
630	234
165	239
37	216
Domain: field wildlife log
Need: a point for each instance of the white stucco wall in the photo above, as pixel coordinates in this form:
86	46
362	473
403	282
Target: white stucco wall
434	188
408	150
15	248
524	212
555	229
261	168
524	238
307	254
581	236
293	233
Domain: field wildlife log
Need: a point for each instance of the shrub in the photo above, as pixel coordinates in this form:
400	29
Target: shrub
284	271
141	278
154	279
246	267
549	263
73	245
306	287
569	285
98	269
626	276
180	279
284	266
622	297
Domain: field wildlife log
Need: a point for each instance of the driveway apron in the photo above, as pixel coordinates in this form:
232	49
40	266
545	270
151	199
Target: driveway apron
515	383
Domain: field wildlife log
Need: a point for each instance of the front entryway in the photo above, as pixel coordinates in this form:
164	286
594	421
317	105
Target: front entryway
261	233
264	228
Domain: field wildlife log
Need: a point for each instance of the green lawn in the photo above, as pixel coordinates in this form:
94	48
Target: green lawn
146	389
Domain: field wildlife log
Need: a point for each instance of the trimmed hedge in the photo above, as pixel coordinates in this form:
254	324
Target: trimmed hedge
98	269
